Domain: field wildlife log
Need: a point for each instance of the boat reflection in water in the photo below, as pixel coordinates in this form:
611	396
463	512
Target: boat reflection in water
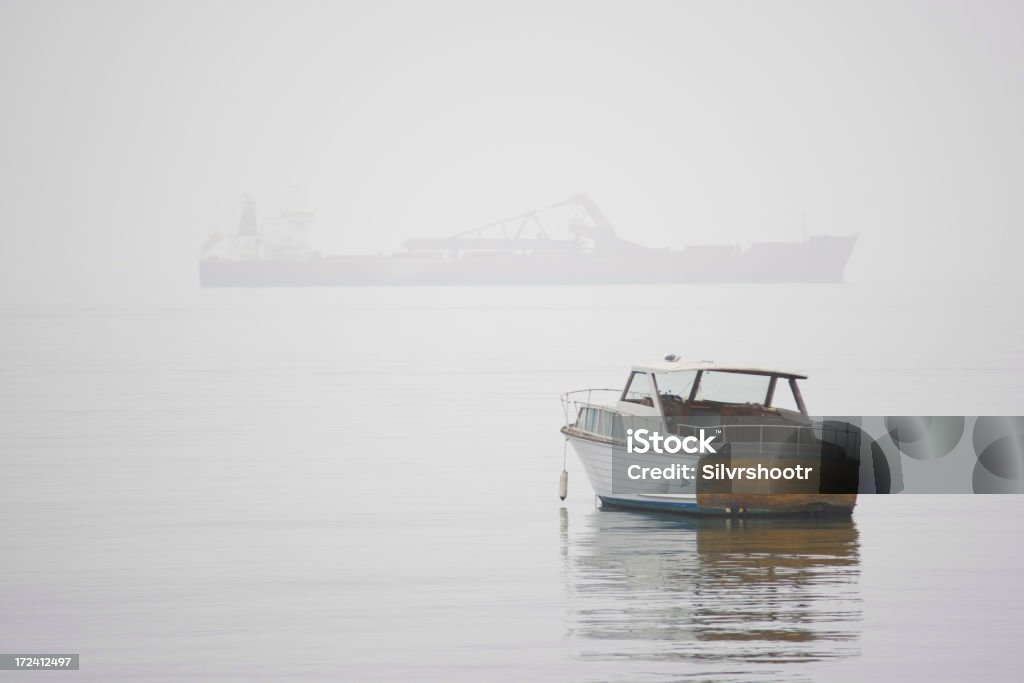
763	592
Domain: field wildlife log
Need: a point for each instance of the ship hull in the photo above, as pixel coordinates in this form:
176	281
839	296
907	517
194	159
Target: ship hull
680	497
819	259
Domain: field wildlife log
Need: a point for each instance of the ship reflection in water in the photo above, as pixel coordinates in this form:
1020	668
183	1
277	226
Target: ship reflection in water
757	592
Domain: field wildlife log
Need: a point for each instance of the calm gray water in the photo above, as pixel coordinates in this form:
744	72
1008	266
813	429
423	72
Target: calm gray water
360	484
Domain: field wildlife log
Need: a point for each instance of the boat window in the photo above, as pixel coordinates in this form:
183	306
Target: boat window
639	388
675	383
733	387
783	398
617	431
598	421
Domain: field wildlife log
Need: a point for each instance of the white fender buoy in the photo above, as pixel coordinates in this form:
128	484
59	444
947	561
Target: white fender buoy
563	485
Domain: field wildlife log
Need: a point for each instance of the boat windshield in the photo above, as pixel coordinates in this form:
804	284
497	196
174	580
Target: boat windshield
732	387
676	383
721	387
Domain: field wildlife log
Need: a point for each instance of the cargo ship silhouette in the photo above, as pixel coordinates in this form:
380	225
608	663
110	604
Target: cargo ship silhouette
515	251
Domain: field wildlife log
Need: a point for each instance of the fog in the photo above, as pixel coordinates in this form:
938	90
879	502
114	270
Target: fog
130	130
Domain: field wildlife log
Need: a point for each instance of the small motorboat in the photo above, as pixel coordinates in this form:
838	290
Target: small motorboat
707	438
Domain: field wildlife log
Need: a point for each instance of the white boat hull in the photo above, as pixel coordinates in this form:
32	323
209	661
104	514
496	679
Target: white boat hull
613	487
606	467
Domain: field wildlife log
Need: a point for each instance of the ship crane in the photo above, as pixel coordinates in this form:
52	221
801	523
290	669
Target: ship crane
511	231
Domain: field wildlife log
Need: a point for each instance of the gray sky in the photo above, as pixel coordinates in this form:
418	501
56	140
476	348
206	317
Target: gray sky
129	130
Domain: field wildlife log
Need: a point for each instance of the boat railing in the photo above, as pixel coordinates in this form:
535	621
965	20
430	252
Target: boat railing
572	400
761	433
